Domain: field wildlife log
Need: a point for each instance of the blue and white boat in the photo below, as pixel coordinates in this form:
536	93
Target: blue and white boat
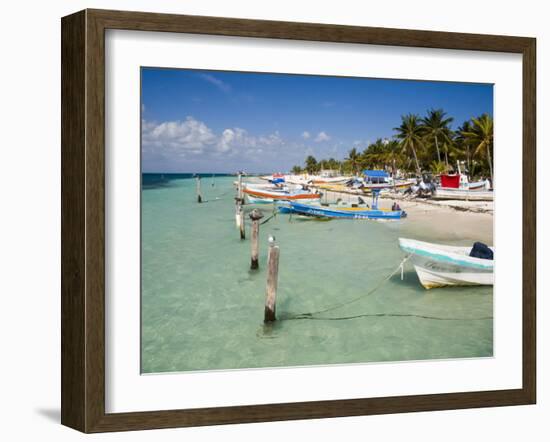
342	212
439	265
355	211
345	212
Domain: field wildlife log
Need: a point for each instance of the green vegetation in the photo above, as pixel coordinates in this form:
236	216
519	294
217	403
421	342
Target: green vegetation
420	144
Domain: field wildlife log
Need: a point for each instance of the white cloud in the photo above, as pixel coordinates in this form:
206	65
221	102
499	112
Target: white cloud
273	139
172	139
189	135
221	85
322	136
237	139
233	138
306	135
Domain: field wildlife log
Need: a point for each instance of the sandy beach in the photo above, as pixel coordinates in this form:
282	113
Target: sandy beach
458	219
453	219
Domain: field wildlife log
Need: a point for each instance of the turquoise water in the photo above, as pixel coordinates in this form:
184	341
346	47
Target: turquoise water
202	308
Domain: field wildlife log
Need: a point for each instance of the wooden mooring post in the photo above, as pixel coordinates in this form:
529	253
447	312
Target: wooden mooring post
240	188
199	196
255	216
241	222
238	210
272	281
239	202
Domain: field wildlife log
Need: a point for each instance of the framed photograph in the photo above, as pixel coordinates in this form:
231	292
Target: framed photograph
269	220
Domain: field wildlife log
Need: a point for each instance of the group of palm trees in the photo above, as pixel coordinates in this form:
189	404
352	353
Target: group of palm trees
421	144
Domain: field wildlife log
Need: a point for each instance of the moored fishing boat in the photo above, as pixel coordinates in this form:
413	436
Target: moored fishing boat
392	185
345	212
462	194
286	207
261	195
330	180
381	180
460	181
440	265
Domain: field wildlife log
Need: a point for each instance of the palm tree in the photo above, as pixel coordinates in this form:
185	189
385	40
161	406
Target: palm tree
373	155
311	164
436	127
385	153
481	137
296	170
438	167
463	142
354	158
410	134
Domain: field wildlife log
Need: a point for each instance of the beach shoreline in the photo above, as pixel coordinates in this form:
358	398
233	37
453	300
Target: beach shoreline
468	219
452	219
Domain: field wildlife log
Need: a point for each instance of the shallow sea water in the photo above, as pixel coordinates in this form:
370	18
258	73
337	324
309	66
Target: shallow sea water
202	308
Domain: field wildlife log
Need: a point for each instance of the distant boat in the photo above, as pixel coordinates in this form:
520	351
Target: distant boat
262	195
392	185
440	265
462	194
381	180
460	181
330	180
345	212
286	207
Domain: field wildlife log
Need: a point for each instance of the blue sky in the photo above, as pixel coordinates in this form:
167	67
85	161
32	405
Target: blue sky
213	121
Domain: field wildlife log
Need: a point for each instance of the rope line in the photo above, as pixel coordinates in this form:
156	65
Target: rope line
381	315
351	301
313	315
217	198
267	219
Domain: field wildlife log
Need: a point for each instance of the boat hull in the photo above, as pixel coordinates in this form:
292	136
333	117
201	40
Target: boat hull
430	278
460	194
441	266
398	185
258	196
338	180
347	213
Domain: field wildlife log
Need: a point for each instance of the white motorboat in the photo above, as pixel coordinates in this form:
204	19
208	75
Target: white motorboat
440	265
462	194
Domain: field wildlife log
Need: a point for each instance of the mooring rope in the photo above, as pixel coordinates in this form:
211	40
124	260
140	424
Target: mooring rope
267	219
313	315
217	198
351	301
379	315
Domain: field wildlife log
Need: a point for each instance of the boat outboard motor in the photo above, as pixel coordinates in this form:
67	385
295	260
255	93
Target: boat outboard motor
480	250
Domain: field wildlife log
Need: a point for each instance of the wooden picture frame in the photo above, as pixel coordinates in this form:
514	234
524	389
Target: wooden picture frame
83	220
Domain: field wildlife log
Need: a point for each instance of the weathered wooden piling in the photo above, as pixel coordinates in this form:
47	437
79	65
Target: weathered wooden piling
255	216
238	207
199	196
241	222
240	187
239	201
272	281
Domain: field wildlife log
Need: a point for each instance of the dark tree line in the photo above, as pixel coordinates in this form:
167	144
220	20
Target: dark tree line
418	145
